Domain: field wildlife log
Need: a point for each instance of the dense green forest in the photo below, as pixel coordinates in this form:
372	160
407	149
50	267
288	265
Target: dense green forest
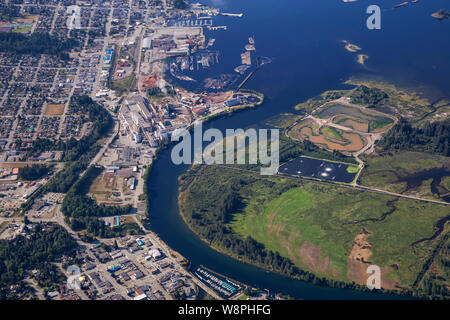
371	97
33	172
23	254
155	92
437	271
36	43
432	138
82	212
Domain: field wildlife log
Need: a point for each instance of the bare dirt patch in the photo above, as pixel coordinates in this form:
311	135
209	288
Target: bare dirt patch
54	110
311	256
349	122
359	261
355	144
104	186
17	164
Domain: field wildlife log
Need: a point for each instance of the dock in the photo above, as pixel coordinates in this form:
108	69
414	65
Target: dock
239	15
217	28
246	79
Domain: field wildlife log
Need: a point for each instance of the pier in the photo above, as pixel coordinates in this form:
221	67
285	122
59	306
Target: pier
239	15
217	28
246	79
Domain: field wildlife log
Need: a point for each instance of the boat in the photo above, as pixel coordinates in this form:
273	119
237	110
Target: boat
401	4
441	14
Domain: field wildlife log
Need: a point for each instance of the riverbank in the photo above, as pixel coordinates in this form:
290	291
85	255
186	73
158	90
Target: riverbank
300	274
197	179
235	109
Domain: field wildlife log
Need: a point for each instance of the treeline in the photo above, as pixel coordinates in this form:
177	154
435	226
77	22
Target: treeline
156	92
83	212
36	43
432	138
76	153
33	172
436	271
371	97
22	254
207	211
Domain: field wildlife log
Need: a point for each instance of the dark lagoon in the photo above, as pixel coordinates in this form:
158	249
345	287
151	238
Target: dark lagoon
320	169
303	40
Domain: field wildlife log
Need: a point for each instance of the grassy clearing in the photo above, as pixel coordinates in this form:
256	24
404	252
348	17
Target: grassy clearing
124	85
333	132
22	29
313	225
323	217
3	225
352	169
445	182
408	161
387	172
303	214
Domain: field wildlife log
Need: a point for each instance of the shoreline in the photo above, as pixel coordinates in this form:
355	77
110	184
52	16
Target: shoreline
337	284
263	267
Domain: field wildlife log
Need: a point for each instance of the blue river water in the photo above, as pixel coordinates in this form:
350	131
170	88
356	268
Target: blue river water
303	39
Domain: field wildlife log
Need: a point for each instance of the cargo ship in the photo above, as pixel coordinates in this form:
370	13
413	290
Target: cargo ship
401	4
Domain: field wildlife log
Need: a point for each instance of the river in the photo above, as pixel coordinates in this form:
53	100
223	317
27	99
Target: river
303	40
